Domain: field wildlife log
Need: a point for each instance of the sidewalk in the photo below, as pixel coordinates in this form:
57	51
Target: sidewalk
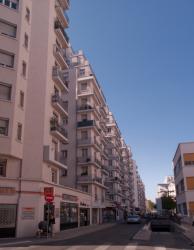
63	235
188	230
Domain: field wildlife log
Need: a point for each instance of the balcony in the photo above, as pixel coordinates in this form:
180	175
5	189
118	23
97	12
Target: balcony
55	158
58	130
85	107
60	56
60	79
61	34
65	4
89	160
90	179
86	123
60	105
63	17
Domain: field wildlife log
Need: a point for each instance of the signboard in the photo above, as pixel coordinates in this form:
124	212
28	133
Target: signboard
7	190
69	197
28	213
49	194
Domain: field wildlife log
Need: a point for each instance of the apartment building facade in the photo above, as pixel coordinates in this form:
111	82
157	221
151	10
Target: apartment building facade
183	164
33	117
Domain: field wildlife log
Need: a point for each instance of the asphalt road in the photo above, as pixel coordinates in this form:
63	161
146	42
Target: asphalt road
118	237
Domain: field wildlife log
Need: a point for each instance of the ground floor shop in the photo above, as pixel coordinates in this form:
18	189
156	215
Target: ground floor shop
21	212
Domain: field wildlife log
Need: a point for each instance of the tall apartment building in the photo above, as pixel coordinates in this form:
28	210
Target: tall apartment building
183	163
33	117
139	190
88	160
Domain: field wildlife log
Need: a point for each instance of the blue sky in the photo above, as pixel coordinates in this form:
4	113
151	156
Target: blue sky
142	52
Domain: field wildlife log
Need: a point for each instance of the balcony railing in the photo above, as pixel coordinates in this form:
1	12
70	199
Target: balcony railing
86	123
59	156
55	126
54	157
58	74
59	26
84	107
57	99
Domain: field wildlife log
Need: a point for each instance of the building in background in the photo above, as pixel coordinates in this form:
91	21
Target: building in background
56	130
183	163
165	189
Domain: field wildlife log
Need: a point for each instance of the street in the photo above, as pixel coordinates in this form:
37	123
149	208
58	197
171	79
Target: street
118	237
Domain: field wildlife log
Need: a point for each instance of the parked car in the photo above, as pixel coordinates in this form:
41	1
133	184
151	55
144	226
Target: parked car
133	219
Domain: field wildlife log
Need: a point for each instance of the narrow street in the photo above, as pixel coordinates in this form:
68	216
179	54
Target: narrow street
118	237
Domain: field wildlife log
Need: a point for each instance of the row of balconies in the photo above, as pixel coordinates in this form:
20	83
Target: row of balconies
89	160
61	34
60	105
58	130
60	79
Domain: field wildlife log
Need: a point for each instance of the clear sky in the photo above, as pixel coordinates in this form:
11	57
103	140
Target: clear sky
142	52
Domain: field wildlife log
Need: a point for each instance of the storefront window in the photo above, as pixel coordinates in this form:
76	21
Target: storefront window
68	215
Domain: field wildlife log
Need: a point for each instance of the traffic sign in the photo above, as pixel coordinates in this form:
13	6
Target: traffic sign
49	198
48	191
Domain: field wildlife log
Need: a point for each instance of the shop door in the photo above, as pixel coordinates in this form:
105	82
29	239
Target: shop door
7	220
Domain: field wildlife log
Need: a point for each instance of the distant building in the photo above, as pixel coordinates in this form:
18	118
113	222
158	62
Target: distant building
165	189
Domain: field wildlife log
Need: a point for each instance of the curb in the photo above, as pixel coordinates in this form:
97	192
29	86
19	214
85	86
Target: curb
57	237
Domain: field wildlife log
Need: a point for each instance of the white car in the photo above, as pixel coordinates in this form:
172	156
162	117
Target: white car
133	219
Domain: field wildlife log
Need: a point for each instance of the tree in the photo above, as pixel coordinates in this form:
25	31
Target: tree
151	205
168	203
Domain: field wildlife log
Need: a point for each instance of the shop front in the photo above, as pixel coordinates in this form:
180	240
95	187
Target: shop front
8	220
68	212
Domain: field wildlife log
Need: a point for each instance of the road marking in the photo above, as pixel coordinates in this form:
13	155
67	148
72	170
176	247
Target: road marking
131	247
143	234
160	248
103	247
15	243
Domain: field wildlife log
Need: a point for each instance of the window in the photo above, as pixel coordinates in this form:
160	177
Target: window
3	164
84	117
27	14
110	162
19	132
54	175
188	159
84	171
109	130
25	40
4	124
84	188
84	86
21	99
6	59
82	72
5	91
182	186
84	135
13	4
184	206
190	183
7	29
24	67
84	152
